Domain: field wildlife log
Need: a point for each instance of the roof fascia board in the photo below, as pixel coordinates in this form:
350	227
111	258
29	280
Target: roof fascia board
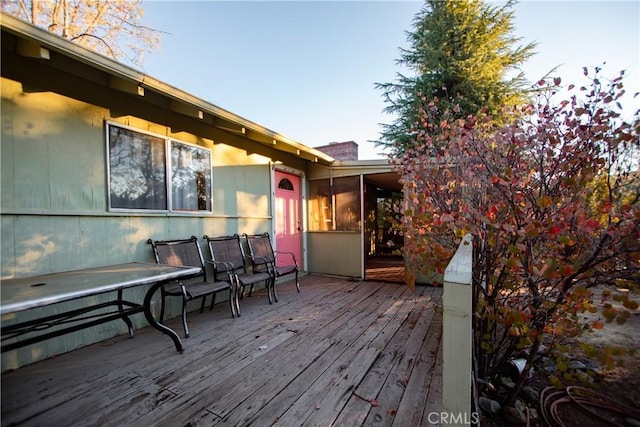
120	71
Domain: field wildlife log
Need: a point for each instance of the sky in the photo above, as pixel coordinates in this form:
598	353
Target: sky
308	69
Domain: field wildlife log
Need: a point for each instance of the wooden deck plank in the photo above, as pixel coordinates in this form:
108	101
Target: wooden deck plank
295	360
419	382
336	380
290	392
325	339
358	409
411	339
232	388
434	396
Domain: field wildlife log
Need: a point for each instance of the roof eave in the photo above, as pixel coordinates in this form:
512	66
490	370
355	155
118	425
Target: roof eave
55	43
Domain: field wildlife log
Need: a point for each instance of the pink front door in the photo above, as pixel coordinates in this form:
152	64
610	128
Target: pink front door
288	223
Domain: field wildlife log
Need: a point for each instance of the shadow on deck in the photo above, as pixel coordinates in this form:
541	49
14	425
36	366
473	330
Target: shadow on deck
338	353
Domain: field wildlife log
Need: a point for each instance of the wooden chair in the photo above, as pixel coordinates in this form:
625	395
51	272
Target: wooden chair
187	252
264	258
228	250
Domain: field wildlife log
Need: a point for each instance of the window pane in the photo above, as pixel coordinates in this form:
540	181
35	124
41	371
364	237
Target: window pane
347	198
136	170
285	184
320	205
190	177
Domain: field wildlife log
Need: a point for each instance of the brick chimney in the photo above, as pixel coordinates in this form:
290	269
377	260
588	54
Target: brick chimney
347	150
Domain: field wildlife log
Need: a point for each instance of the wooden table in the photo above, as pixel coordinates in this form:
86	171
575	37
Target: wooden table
39	291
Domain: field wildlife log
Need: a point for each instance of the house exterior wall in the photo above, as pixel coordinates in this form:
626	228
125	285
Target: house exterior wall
336	253
54	189
54	214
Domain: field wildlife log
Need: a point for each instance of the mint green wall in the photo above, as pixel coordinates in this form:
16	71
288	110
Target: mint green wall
54	201
335	252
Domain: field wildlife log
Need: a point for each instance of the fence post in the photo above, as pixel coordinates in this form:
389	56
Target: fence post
457	338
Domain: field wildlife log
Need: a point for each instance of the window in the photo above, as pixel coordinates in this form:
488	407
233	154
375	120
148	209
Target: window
138	179
320	207
346	193
285	184
190	177
334	204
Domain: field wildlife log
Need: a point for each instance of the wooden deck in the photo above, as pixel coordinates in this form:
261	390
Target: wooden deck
338	353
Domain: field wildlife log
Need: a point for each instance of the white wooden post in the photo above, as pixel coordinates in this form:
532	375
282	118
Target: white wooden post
456	338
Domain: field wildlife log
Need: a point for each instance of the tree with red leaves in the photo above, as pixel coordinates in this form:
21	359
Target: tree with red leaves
553	203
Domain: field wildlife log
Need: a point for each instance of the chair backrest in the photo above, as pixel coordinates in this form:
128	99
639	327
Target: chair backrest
227	249
179	252
260	248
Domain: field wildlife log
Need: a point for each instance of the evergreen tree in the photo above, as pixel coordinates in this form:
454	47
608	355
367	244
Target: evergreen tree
461	52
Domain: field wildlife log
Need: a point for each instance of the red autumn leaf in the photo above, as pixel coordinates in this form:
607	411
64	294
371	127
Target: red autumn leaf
597	325
592	224
374	402
556	81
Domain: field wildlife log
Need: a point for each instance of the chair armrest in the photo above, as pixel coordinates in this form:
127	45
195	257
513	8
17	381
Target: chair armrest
267	262
295	261
262	260
227	266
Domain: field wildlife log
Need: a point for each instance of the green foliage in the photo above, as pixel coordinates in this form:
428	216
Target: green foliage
545	230
462	53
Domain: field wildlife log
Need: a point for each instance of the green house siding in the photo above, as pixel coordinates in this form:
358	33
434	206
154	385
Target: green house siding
54	202
56	101
336	253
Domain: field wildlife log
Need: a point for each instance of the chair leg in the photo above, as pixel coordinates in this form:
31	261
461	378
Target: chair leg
297	283
271	285
232	303
235	296
275	294
204	299
213	300
184	318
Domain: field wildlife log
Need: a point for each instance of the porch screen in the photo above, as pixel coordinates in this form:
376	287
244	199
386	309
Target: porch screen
346	192
334	204
320	207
